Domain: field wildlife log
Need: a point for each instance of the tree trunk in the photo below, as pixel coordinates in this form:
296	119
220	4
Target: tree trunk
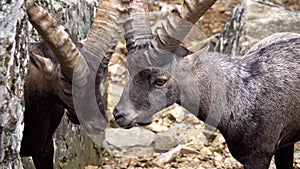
73	148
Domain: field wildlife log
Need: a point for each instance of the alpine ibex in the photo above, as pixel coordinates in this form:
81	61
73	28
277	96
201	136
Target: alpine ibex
254	100
64	74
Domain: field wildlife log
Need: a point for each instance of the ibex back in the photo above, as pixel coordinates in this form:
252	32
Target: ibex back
253	100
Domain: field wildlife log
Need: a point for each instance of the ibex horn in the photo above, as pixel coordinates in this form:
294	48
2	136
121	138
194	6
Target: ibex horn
137	26
97	50
70	59
138	36
103	38
179	23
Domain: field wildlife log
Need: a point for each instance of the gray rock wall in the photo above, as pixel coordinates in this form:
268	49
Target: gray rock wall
73	148
263	19
13	63
253	21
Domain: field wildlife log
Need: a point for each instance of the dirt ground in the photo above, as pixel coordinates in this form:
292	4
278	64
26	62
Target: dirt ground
211	23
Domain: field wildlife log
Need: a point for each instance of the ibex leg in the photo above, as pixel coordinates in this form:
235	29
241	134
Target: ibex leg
284	157
44	160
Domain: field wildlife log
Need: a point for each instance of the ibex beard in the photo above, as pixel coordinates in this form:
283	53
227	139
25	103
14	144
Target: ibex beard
254	100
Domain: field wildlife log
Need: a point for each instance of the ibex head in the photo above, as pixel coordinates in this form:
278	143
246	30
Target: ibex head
158	68
76	70
65	75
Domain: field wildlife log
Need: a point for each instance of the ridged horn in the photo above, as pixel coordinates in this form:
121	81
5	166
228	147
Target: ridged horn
103	37
97	50
69	57
180	22
137	26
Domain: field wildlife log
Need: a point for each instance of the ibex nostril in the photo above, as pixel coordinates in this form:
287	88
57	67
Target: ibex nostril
119	116
115	112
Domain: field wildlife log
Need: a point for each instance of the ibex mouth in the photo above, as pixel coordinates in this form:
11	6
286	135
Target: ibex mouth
122	120
130	124
144	124
125	125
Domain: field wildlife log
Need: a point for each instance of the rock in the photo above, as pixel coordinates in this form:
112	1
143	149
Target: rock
173	153
123	164
114	94
119	74
197	160
272	165
210	132
91	167
188	150
218	157
13	65
230	160
218	141
297	160
157	127
180	130
138	152
124	138
261	21
297	155
205	152
164	141
178	113
107	167
186	133
74	148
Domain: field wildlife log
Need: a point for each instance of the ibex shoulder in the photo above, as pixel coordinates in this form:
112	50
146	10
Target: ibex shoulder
273	40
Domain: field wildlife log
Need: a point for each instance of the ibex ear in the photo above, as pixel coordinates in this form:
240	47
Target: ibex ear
191	58
181	51
207	48
44	64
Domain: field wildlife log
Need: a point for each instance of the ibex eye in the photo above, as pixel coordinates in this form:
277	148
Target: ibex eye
160	82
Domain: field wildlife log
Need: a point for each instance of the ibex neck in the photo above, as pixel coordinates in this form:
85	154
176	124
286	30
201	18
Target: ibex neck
216	84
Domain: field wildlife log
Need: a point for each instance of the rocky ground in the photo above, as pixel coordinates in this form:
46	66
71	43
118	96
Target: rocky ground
175	139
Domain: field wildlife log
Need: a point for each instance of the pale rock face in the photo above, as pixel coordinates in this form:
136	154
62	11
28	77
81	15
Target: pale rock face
122	138
263	19
164	142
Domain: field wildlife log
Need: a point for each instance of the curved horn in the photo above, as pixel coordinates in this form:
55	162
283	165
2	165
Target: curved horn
178	24
70	59
137	27
103	38
97	50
